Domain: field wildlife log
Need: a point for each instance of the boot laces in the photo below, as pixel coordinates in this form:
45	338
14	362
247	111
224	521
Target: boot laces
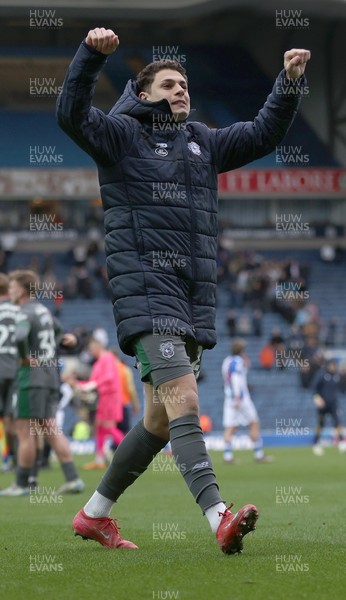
111	523
222	514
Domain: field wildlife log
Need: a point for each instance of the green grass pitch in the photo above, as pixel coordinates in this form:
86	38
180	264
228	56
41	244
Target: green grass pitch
298	550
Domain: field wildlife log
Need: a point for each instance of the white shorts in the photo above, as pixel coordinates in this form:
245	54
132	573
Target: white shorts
242	415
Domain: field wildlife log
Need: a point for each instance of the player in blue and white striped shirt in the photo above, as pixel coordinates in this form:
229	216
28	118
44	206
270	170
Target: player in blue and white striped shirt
239	410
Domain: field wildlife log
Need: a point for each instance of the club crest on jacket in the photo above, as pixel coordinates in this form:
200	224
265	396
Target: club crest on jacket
195	148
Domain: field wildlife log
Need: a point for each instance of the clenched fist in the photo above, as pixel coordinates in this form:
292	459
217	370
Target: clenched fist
69	340
103	40
295	62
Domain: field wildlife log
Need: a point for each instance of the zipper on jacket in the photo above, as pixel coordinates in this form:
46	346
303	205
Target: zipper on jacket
138	232
187	172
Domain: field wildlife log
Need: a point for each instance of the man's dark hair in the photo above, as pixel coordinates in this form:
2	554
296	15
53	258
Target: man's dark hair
146	76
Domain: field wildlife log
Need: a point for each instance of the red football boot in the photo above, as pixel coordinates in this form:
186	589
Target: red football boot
233	527
103	530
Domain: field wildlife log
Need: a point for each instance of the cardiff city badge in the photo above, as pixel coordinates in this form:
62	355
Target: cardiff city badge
167	349
195	148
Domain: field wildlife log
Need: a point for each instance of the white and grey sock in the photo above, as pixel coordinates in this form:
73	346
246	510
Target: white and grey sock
213	516
258	448
98	506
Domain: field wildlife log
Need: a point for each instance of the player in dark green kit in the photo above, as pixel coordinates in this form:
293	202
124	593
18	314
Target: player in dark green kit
38	386
8	363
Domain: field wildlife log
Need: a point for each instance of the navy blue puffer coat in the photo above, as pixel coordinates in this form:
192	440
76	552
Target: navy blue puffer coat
159	192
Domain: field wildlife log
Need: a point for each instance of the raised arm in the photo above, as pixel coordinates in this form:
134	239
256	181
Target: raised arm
101	136
244	142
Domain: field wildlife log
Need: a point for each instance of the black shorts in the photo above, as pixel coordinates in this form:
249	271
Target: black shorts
333	411
161	358
7	396
36	403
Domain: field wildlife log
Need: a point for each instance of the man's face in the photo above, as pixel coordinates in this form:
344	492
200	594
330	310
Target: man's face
95	348
15	291
170	84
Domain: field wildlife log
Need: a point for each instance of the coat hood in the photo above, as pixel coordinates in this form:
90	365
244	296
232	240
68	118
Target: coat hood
130	104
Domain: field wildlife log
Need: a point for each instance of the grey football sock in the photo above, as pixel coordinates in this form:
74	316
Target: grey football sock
37	465
130	460
70	471
22	476
193	460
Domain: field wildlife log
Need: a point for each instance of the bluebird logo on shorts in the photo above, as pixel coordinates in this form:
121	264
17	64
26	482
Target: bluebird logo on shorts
167	349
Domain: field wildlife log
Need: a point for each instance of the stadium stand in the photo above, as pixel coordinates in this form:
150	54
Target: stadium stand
235	92
327	288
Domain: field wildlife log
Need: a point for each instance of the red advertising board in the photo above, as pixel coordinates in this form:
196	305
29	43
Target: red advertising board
265	183
313	182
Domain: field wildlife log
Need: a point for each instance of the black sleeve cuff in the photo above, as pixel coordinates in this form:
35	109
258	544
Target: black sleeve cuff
293	86
93	51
